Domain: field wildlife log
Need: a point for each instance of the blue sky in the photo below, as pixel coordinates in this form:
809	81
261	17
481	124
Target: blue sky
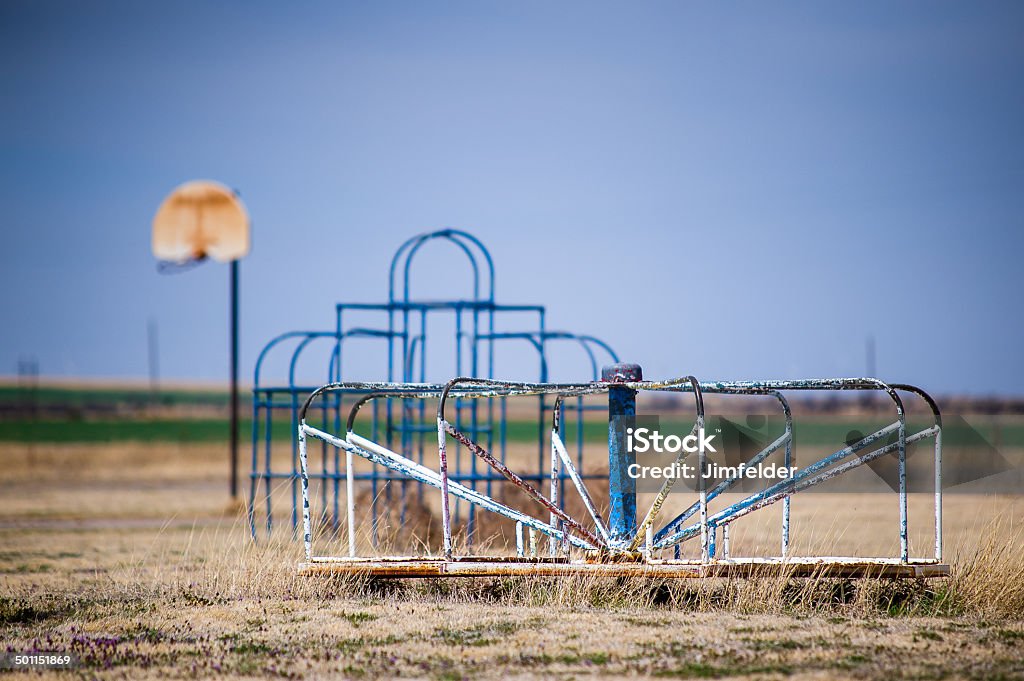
725	189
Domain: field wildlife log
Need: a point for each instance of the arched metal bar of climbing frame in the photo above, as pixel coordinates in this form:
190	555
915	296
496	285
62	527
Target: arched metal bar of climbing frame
254	474
307	337
409	248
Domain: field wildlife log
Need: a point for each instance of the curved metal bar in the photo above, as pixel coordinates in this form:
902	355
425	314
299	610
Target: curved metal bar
280	339
407	268
601	344
483	250
311	335
938	460
528	337
455	236
565	335
394	263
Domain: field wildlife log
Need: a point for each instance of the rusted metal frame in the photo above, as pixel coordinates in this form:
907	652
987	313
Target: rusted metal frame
387	458
486	388
937	424
846	384
788	463
446	512
574	475
483	389
803	480
785	439
666	486
443	427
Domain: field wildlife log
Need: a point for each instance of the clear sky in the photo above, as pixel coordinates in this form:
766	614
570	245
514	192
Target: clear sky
724	189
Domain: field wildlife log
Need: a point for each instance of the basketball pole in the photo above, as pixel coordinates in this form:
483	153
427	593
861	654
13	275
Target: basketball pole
234	379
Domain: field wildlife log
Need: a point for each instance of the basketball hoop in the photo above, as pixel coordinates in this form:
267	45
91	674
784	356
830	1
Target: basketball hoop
199	220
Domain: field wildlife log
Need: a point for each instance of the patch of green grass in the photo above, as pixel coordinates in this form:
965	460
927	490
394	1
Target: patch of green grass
24	611
1010	636
357	618
449	675
762	644
252	648
691	670
144	633
30	568
851	661
357	643
478	635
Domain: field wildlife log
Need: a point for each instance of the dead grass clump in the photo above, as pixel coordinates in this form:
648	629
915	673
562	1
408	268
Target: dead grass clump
989	580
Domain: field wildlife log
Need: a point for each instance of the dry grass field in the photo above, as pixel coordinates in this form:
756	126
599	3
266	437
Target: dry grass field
131	557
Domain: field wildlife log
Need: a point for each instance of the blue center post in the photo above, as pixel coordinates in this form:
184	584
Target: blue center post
621	414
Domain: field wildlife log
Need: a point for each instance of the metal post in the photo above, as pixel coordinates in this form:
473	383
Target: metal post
621	487
234	379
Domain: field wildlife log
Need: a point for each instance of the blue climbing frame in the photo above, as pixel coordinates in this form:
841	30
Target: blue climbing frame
480	330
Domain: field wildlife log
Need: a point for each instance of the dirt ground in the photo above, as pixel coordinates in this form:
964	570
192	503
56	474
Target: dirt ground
132	557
